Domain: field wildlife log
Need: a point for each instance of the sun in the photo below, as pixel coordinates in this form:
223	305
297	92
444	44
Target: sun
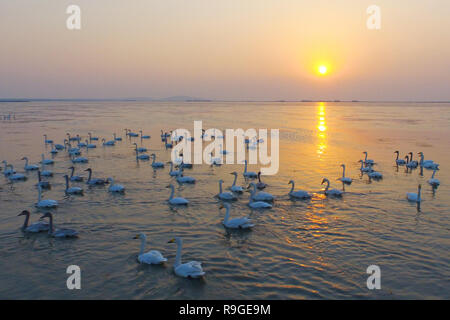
322	69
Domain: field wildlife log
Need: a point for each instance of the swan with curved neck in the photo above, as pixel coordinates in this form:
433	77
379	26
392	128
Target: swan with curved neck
260	185
74	178
344	179
29	167
364	169
368	161
177	200
427	164
96	181
299	194
260	196
173	173
72	190
225	195
38	226
191	269
156	164
433	181
184	179
235	223
59	233
331	192
234	187
150	257
43	184
115	187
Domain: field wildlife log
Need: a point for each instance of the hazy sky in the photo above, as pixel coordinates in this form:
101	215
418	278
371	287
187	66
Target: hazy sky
225	49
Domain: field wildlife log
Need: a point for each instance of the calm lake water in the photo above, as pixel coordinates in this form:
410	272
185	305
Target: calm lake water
297	250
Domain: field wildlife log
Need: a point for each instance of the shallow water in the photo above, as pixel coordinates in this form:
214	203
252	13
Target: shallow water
299	249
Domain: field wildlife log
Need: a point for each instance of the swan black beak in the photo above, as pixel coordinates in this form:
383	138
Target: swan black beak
171	241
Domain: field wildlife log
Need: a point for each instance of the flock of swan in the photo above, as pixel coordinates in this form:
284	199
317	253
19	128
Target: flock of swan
258	199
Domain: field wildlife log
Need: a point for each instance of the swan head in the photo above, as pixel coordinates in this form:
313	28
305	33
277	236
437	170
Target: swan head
324	180
140	236
88	169
24	158
225	205
234	173
365	152
291	182
24	213
343	165
46	215
176	240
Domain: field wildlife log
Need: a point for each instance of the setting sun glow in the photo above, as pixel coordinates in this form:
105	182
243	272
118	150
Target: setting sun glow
322	69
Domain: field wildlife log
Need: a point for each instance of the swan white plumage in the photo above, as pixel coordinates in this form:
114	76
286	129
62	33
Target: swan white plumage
260	185
91	138
433	181
173	173
43	184
259	204
96	181
115	187
366	169
142	156
29	167
156	164
144	136
331	192
150	257
90	145
47	141
399	162
108	143
225	195
184	179
427	164
235	223
79	159
415	197
8	168
260	196
59	233
368	161
139	149
74	178
234	187
345	179
249	174
72	190
117	138
46	203
299	194
375	175
35	227
191	269
177	200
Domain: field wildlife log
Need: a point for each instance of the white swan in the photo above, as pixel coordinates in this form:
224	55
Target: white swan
29	167
412	163
17	177
59	233
368	161
184	179
344	179
47	141
45	173
299	194
150	257
115	187
215	161
331	192
415	197
399	162
173	173
91	138
156	164
235	223
191	269
144	136
74	178
260	185
38	226
433	181
234	187
142	156
260	196
117	138
96	181
259	204
139	149
177	200
225	195
427	164
79	159
8	168
43	184
46	203
90	145
375	175
53	149
108	143
249	174
72	190
365	169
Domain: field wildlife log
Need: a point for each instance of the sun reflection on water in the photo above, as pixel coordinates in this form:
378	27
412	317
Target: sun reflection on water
321	129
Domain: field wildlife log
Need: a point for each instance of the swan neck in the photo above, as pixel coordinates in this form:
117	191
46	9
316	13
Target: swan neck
220	186
343	172
25	223
234	181
227	215
178	256
292	188
172	192
142	245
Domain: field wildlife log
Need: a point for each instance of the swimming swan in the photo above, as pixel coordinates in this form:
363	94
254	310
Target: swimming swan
299	194
72	190
150	257
96	181
235	223
260	196
38	226
225	195
177	200
191	269
414	197
399	162
249	174
115	187
331	192
156	164
433	181
344	179
46	203
234	187
59	233
74	178
29	167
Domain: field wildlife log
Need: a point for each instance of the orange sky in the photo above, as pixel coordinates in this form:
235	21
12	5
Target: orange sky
251	49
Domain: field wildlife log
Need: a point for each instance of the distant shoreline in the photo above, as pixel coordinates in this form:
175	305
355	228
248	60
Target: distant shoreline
4	100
